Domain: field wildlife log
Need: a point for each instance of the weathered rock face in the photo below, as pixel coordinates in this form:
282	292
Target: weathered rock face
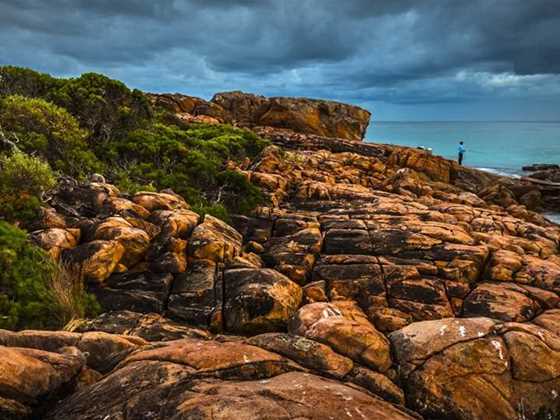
307	116
289	395
259	300
28	375
325	118
375	277
475	368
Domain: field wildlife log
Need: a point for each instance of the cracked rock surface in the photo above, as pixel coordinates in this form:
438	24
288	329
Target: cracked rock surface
377	283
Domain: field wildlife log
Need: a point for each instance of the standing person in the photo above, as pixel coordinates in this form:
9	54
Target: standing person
461	153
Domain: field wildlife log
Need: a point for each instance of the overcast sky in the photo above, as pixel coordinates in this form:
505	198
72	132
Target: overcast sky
401	59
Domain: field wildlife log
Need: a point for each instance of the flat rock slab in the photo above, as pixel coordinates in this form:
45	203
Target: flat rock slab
29	376
164	393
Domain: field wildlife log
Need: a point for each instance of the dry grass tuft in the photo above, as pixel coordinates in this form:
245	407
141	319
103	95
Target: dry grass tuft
74	303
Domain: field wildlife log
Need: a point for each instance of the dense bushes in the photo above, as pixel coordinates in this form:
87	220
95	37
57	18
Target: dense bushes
27	296
24	179
94	124
103	106
191	162
25	272
40	127
26	82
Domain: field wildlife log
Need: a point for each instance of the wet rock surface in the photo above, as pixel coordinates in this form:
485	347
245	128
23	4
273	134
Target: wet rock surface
378	282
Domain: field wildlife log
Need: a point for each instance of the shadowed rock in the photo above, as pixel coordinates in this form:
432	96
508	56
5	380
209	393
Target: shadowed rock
259	300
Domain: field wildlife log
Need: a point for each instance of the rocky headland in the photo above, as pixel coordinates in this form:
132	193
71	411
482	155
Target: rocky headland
308	116
375	282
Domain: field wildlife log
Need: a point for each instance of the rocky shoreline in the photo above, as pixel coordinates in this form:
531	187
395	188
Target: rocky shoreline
378	282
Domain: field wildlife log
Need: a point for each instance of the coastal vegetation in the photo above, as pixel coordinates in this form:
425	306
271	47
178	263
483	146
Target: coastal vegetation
23	182
93	124
34	291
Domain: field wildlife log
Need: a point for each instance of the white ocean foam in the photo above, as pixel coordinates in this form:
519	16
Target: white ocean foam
499	172
553	217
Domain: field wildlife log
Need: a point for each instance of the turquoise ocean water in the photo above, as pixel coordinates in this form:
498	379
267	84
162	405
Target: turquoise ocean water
500	147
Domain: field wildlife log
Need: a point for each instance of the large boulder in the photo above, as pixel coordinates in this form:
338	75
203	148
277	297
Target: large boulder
169	391
214	240
54	240
197	295
28	377
81	200
100	350
135	241
160	201
505	301
97	259
306	352
176	223
345	328
259	300
142	291
309	116
150	327
475	368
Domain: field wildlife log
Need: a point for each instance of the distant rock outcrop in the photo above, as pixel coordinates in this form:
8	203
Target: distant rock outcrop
302	115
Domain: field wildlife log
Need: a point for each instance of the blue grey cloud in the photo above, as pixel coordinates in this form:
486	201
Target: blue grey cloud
376	53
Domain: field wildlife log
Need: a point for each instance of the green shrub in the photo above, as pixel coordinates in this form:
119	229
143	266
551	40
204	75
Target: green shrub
191	162
25	272
26	82
216	210
30	283
24	179
227	141
239	195
121	177
48	130
103	106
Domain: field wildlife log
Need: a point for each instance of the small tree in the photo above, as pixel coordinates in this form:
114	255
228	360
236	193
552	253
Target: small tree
24	180
45	129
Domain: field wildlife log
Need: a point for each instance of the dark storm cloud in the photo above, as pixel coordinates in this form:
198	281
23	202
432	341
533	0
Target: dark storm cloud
399	51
